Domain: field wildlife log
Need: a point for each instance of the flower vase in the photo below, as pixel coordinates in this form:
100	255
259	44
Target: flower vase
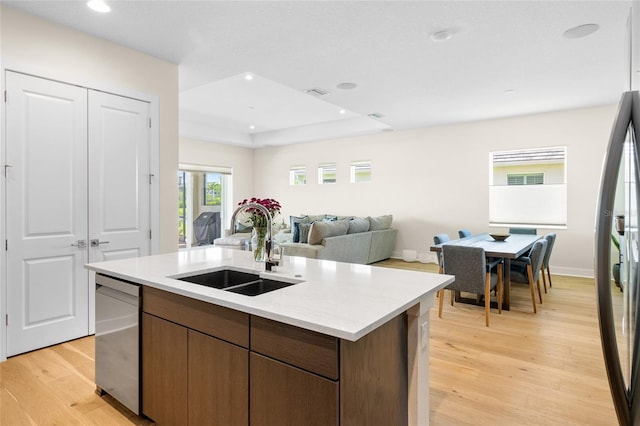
258	243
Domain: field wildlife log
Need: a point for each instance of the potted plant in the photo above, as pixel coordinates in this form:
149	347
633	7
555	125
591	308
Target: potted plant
259	221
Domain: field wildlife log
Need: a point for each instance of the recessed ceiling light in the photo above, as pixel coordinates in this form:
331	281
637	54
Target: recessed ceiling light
343	111
509	91
442	35
347	86
581	31
98	6
375	115
248	77
252	127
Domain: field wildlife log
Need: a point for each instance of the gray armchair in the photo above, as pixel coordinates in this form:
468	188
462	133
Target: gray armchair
473	275
551	239
526	269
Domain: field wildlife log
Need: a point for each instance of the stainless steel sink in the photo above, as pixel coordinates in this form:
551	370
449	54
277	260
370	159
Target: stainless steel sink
237	282
221	279
258	287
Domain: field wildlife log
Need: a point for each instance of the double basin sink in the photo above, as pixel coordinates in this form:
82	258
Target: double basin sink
236	282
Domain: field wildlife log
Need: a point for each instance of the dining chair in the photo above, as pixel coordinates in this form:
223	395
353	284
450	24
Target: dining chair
463	233
439	239
527	231
473	274
526	269
551	239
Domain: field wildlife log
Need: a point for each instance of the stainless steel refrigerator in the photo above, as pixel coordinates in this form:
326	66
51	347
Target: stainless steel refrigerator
616	262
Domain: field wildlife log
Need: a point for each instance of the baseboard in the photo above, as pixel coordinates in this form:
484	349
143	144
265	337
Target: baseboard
431	255
572	272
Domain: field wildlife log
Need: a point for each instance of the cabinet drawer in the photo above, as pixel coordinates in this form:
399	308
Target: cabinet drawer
306	349
217	321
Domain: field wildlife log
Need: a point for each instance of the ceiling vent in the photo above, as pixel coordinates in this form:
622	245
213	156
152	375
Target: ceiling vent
376	115
316	91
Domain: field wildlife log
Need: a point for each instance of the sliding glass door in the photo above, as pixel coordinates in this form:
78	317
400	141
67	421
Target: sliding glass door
203	205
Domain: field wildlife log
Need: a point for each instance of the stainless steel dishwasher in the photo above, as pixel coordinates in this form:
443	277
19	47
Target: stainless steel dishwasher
117	340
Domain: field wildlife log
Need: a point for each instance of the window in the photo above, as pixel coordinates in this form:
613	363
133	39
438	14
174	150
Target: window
327	173
298	175
360	171
212	188
525	179
528	187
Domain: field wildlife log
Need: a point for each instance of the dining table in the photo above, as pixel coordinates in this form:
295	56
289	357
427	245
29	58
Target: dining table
514	246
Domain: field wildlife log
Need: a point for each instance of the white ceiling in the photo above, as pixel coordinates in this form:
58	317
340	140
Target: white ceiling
504	58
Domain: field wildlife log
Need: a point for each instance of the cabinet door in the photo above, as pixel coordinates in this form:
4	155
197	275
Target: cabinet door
284	395
164	371
218	382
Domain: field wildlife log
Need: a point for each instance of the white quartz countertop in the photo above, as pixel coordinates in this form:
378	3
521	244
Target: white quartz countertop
339	299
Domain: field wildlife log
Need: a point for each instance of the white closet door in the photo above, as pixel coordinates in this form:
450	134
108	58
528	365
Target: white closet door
119	188
46	212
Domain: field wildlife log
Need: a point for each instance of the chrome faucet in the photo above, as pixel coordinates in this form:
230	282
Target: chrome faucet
269	262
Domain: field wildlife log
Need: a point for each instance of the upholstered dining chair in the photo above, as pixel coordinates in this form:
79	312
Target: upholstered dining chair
527	231
526	269
551	239
439	239
473	274
463	233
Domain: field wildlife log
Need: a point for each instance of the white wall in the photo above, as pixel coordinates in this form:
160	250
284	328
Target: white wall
239	159
436	180
30	44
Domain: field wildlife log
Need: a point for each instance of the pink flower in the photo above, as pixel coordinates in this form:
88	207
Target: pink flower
257	217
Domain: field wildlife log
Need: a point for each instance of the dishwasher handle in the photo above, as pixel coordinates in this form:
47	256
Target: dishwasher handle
110	293
118	285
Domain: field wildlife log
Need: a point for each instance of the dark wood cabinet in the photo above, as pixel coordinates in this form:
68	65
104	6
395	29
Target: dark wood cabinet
218	321
218	382
164	370
309	350
190	375
204	364
374	377
283	395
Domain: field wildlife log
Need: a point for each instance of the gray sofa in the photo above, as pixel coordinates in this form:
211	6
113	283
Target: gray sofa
328	239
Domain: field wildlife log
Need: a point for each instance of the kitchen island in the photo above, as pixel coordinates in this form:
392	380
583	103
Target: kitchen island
346	344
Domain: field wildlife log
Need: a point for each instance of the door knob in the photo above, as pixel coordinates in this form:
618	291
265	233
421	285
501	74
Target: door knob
96	242
80	244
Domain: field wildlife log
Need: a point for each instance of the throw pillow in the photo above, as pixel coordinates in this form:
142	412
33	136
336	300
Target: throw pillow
321	230
315	217
295	220
379	223
304	228
356	225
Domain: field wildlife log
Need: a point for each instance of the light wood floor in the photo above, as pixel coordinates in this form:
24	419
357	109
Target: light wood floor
526	369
